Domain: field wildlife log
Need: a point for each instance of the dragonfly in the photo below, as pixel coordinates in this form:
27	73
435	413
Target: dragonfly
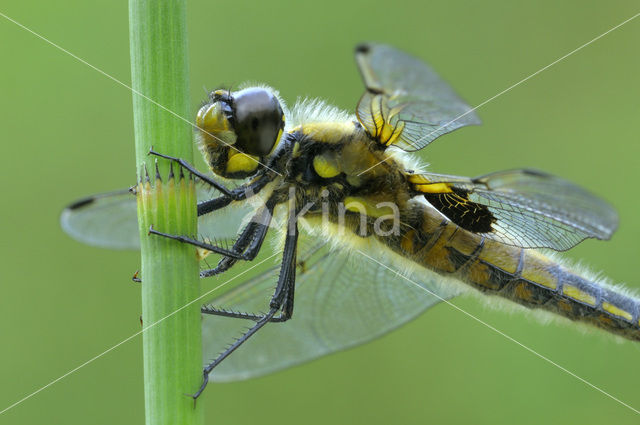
352	212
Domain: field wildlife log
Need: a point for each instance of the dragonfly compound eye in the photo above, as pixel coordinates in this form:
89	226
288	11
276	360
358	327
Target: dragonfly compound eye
258	120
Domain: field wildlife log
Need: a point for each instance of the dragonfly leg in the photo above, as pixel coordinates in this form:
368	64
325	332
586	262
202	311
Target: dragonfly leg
248	244
256	317
286	307
249	241
237	343
184	164
282	299
238	194
195	242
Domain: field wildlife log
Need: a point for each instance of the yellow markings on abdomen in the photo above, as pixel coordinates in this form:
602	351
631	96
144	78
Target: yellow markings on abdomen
520	275
578	294
612	309
464	242
437	255
538	269
503	256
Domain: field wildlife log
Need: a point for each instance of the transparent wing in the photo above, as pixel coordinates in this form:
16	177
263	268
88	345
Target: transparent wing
342	300
528	208
406	103
109	220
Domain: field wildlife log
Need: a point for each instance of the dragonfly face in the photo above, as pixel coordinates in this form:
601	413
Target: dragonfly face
239	129
361	211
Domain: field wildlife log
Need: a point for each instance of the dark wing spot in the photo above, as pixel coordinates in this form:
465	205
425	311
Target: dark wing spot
460	210
81	203
363	48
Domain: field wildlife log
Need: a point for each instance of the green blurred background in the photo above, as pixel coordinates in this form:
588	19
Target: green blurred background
67	131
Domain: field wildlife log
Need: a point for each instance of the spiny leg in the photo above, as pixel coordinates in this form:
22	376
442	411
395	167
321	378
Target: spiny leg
184	164
246	247
214	311
197	243
234	194
287	305
249	241
205	207
238	194
286	283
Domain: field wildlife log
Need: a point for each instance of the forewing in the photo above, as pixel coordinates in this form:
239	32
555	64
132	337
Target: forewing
406	103
109	220
342	299
532	209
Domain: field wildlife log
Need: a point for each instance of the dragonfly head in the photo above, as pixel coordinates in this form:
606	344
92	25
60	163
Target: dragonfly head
237	130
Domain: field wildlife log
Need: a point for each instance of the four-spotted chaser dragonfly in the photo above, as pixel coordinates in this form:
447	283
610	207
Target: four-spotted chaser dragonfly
350	210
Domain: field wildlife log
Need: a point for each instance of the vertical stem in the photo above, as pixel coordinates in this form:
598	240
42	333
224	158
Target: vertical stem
169	271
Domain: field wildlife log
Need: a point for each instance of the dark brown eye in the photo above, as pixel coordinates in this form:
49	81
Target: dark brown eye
257	120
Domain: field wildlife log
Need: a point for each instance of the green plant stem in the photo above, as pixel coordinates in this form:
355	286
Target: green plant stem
169	270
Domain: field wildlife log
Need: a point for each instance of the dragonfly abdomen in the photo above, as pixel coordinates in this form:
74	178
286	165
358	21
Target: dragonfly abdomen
523	276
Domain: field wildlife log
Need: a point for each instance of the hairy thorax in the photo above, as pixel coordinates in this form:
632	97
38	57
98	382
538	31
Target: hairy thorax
339	175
